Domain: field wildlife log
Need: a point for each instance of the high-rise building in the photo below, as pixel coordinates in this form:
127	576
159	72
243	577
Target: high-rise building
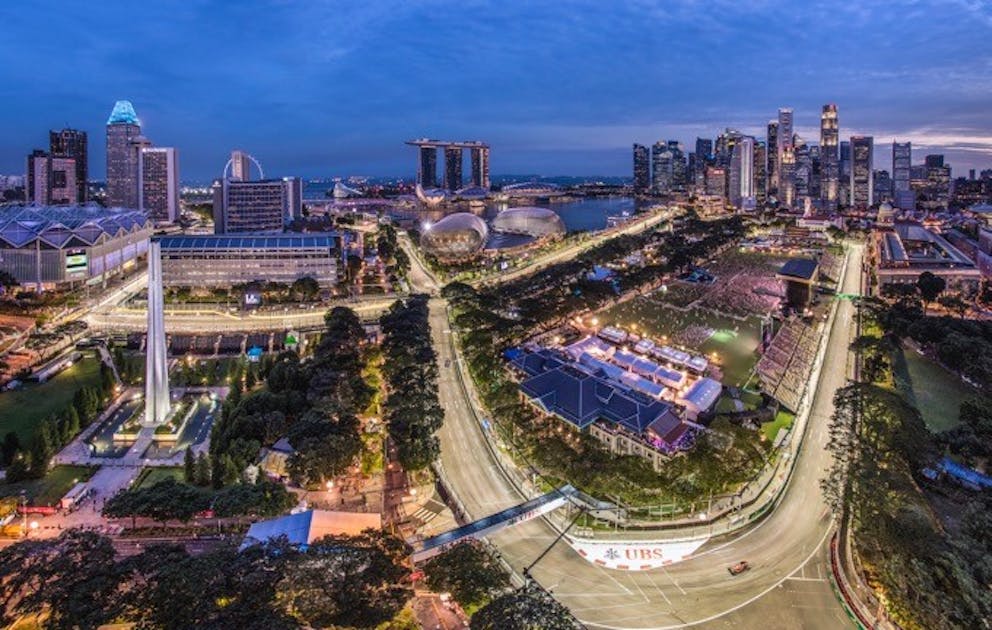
660	170
679	168
240	166
815	172
123	127
785	140
741	185
642	168
862	185
704	158
771	173
902	162
480	167
938	176
158	174
844	160
427	167
50	180
787	175
829	157
452	168
71	143
804	168
716	181
256	206
881	187
760	173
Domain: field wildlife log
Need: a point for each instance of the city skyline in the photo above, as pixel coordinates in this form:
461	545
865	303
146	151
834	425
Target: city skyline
330	100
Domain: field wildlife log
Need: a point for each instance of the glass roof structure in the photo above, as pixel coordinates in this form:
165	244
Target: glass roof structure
123	113
220	241
61	226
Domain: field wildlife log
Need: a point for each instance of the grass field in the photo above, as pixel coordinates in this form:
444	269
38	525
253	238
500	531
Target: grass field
21	410
933	390
151	476
734	342
782	420
50	488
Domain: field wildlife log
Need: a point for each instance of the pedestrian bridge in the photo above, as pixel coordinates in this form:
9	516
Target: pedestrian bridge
493	523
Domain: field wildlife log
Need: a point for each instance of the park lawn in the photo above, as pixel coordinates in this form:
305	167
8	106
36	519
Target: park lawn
934	391
50	488
151	476
734	342
21	410
783	419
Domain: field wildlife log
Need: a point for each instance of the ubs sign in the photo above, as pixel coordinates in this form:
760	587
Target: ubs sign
635	556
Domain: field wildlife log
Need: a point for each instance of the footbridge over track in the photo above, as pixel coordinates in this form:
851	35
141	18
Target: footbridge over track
493	523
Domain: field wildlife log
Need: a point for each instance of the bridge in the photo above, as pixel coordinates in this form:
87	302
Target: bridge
493	523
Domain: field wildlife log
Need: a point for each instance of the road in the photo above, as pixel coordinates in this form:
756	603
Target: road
788	585
636	225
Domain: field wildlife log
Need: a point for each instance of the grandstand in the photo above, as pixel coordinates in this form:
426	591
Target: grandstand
785	367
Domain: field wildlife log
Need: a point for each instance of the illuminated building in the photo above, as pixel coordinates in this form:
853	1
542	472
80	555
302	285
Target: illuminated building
72	143
642	168
123	127
158	175
861	187
902	162
829	157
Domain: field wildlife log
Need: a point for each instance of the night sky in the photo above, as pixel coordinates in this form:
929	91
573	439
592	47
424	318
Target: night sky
559	87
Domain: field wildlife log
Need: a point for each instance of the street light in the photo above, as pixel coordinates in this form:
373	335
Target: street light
329	485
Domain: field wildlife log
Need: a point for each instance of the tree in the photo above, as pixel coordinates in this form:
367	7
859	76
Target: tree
954	304
73	578
469	572
529	608
266	498
166	500
305	288
201	473
930	286
11	444
350	581
189	466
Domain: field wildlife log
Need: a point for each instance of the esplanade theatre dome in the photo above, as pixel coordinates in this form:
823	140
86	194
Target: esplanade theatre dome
529	220
457	235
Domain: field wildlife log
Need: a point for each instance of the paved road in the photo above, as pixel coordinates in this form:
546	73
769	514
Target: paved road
788	586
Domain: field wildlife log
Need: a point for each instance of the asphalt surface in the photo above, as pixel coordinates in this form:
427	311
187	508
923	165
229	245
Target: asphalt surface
788	585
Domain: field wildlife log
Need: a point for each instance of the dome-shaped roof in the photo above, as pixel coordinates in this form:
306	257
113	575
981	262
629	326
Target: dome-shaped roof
456	236
529	220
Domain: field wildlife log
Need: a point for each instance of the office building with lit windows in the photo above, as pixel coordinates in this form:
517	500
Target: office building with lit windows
862	185
158	175
829	157
206	260
256	206
642	168
902	162
72	144
123	128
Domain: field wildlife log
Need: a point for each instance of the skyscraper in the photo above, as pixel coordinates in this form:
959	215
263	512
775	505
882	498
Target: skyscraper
771	173
661	167
741	186
844	160
804	167
787	176
862	186
123	127
480	167
642	168
829	157
452	168
902	161
760	173
71	143
427	167
240	166
158	174
50	180
679	167
785	141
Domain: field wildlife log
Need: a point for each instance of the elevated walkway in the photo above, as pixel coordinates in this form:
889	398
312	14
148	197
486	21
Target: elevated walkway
494	522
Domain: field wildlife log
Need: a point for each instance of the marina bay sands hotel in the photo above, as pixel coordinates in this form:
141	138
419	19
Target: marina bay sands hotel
427	164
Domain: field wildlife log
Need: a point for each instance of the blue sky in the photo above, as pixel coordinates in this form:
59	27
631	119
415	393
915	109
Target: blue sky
564	87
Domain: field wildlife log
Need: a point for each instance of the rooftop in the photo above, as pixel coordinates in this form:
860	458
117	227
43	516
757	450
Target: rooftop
801	268
21	224
221	241
123	114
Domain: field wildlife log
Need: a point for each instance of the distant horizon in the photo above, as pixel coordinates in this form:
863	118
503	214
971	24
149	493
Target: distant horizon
308	96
